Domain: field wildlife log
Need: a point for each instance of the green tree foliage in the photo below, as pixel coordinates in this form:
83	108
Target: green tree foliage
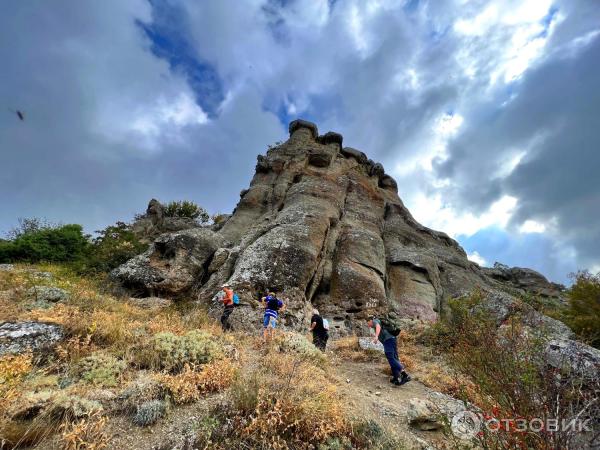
583	311
186	209
113	246
43	242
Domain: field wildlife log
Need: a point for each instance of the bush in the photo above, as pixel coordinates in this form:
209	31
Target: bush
507	366
186	209
301	346
583	311
286	403
114	245
65	243
171	352
190	385
101	369
148	413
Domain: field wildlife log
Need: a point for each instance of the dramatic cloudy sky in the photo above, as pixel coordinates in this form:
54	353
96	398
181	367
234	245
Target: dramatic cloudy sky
486	112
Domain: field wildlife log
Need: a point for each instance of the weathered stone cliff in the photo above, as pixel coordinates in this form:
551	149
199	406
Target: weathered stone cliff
322	225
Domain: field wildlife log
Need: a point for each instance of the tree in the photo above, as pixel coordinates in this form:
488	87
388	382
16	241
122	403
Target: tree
583	312
49	243
114	245
186	209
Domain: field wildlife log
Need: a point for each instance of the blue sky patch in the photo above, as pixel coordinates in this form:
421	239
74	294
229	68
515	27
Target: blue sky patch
171	43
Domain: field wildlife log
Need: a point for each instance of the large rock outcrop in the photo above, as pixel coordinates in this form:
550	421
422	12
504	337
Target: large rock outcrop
322	225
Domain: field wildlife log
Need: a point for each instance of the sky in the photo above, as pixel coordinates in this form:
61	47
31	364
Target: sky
487	113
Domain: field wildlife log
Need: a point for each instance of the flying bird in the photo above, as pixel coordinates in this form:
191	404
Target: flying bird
19	114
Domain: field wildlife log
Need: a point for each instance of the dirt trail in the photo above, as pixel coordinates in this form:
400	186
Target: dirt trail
369	395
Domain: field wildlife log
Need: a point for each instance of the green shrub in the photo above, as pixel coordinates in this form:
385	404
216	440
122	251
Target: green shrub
301	346
101	369
148	413
186	209
114	245
507	364
64	243
171	352
583	311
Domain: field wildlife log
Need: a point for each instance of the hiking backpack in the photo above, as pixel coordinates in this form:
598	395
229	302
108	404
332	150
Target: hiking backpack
391	323
326	324
272	303
236	299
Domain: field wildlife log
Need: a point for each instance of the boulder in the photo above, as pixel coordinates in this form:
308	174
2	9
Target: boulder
575	357
331	138
151	302
172	264
47	294
7	267
18	337
424	415
359	156
525	279
366	343
299	123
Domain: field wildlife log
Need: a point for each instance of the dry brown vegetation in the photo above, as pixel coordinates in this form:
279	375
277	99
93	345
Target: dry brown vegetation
120	359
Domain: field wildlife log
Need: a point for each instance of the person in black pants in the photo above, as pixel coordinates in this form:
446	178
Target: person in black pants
320	334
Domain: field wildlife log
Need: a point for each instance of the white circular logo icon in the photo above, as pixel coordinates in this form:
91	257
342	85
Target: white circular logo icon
465	424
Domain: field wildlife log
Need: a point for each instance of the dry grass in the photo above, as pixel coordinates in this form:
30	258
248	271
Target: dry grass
85	434
190	385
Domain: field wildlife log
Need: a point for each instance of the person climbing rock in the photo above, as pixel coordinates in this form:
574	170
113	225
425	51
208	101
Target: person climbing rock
319	331
227	299
273	306
390	345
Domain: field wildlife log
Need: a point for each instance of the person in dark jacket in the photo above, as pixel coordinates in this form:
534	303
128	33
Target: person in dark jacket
319	332
390	347
273	306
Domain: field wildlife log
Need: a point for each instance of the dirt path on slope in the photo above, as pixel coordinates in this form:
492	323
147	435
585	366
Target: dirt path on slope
369	395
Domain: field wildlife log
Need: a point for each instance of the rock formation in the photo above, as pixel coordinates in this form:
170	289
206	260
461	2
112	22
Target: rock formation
322	225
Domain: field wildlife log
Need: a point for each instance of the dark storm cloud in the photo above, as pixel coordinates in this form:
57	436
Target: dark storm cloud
555	118
85	76
125	101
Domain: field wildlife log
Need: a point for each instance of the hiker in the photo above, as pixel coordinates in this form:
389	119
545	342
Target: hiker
227	299
272	308
319	328
390	346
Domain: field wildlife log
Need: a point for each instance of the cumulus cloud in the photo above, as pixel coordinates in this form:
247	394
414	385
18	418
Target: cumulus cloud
486	112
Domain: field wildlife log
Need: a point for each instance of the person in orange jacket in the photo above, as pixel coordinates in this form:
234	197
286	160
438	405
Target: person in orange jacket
228	304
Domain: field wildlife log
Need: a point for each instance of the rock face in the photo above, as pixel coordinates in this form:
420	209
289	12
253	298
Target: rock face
174	263
525	279
152	224
323	226
17	337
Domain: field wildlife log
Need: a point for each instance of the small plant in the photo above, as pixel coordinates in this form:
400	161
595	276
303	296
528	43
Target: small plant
186	209
13	368
148	413
190	385
85	434
301	346
171	352
101	369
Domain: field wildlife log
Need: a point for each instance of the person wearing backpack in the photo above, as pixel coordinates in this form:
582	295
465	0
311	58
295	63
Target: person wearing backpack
320	330
387	333
273	306
228	303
